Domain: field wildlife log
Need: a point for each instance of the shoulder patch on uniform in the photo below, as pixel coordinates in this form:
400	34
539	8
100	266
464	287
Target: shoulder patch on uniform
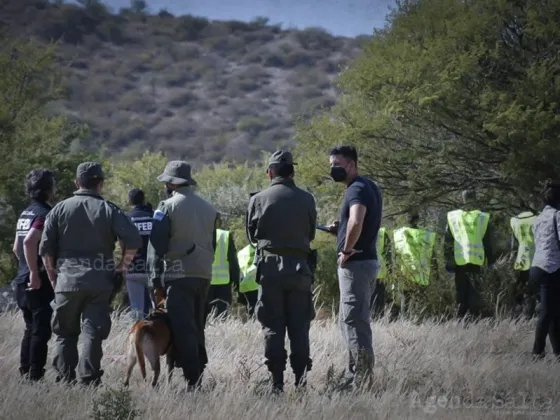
159	215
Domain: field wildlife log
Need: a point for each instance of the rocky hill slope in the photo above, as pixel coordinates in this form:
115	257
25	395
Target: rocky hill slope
197	89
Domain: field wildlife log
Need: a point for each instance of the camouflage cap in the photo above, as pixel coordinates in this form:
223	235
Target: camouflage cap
281	157
87	171
177	172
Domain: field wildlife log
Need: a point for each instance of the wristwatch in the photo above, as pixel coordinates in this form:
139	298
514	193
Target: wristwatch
346	252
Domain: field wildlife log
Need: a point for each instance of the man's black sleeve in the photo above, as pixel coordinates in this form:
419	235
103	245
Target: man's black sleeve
214	234
448	248
251	222
312	219
234	271
388	251
488	242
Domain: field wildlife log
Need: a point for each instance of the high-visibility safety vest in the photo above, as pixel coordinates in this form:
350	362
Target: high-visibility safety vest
522	226
468	229
246	258
382	272
220	267
414	249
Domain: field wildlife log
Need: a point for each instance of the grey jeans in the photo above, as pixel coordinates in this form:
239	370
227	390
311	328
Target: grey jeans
136	284
356	280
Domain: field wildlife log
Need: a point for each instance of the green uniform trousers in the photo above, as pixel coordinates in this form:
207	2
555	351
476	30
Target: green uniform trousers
86	312
285	303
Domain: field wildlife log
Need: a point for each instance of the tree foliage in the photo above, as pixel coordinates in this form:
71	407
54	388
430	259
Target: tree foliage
451	95
123	175
29	137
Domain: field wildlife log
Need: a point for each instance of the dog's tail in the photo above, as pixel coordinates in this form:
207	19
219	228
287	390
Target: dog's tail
139	353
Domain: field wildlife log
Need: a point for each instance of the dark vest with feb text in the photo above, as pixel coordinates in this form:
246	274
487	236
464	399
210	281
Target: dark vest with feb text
141	216
35	210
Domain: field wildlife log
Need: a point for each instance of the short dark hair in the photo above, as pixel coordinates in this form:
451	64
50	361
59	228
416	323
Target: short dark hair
91	184
39	184
346	151
413	216
469	194
282	171
136	197
551	193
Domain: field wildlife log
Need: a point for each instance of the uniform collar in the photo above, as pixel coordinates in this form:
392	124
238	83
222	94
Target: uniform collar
142	207
182	190
84	191
283	181
41	203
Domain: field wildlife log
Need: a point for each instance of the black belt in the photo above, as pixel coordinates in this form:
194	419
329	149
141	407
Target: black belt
285	252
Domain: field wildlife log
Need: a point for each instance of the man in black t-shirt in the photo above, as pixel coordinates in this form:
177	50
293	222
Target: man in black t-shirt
357	229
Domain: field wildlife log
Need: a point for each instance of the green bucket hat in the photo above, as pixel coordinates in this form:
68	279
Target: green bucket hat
177	172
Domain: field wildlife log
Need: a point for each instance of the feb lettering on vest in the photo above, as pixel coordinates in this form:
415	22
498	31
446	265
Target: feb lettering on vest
23	225
144	227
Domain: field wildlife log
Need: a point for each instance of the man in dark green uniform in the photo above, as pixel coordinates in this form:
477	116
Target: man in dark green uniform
180	257
281	221
77	248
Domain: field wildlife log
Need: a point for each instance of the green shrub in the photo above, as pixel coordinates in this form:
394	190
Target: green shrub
190	27
182	99
115	404
316	39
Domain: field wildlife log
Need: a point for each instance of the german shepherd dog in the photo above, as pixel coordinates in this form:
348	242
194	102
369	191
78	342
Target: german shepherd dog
151	338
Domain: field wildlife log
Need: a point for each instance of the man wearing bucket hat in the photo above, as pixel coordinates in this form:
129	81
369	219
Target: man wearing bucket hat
180	258
281	221
77	248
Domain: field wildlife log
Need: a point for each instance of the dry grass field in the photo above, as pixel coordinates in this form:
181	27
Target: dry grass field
428	371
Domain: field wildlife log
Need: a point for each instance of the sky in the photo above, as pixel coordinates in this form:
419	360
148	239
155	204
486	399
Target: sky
340	17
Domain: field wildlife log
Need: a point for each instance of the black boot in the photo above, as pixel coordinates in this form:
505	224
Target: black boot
278	381
301	381
300	368
36	376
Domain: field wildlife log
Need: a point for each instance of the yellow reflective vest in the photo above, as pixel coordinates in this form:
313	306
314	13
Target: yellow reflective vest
414	250
220	268
382	272
246	258
522	226
468	229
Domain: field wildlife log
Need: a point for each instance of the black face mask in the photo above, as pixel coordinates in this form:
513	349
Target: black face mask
338	174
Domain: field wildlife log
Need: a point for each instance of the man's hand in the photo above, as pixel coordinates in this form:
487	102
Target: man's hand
122	268
343	257
34	281
126	260
333	227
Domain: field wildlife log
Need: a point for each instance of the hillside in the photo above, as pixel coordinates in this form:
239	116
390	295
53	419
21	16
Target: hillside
195	88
